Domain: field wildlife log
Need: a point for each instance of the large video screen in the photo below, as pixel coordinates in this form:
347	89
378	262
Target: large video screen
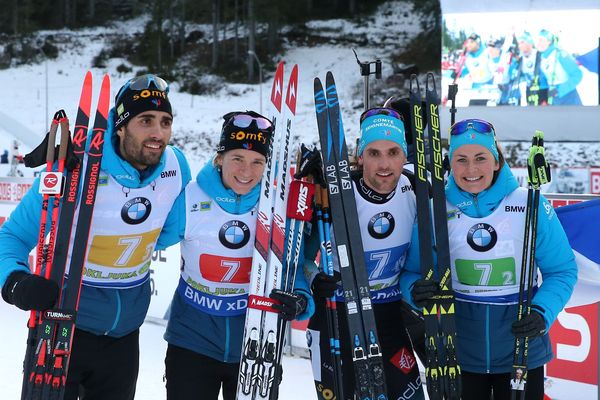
522	58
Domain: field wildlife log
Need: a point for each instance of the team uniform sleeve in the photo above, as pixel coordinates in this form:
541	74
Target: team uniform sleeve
19	234
573	72
174	228
556	261
312	245
411	272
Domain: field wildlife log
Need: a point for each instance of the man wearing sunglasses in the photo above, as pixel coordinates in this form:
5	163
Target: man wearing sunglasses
386	208
560	70
140	179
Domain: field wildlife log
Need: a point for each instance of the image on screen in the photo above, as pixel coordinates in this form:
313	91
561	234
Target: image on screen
522	58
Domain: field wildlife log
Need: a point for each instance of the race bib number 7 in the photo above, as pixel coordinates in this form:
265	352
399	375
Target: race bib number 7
497	272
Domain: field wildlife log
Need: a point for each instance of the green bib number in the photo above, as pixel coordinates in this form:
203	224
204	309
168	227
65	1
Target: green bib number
498	272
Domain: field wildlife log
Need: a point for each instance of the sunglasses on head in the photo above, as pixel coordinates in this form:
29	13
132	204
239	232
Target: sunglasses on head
244	120
144	82
380	111
477	125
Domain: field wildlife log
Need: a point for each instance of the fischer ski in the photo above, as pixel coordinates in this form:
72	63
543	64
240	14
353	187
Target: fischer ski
366	352
442	375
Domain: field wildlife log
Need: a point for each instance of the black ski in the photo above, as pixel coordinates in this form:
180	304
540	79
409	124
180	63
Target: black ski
366	353
65	316
447	334
433	370
39	347
53	346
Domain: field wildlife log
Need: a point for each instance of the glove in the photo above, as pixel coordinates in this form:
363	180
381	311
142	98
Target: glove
531	325
30	292
324	285
310	164
292	304
423	290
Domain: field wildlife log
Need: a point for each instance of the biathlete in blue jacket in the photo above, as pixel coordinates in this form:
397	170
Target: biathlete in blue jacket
560	70
217	227
486	221
386	207
132	217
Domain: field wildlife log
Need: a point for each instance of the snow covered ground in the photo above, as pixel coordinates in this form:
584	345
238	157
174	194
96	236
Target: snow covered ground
197	123
297	382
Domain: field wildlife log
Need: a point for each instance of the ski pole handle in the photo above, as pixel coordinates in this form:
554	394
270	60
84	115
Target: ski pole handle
452	91
537	166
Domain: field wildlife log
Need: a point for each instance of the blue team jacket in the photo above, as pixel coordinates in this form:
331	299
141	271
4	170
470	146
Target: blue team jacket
484	339
218	337
102	311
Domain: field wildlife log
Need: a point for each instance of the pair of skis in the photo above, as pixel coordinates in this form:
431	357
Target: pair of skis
538	175
51	331
263	332
326	264
365	349
443	376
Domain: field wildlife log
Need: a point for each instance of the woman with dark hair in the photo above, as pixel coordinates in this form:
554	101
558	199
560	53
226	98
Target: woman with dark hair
486	221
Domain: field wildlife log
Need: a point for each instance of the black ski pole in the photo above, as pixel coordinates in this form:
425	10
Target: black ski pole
452	91
539	174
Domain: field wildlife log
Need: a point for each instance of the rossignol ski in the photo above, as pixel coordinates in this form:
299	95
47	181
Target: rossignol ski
365	349
54	337
442	375
538	175
259	368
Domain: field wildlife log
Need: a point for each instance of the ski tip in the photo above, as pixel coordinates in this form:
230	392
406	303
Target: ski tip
430	80
329	80
414	84
277	89
104	99
292	90
85	102
317	83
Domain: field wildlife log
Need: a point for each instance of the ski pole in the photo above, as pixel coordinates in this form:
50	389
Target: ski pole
50	186
538	174
331	303
299	210
452	91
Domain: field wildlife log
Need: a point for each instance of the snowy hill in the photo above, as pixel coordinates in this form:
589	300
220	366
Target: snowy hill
197	119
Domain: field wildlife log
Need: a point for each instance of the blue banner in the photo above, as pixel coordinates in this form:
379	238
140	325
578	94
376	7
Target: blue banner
582	225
